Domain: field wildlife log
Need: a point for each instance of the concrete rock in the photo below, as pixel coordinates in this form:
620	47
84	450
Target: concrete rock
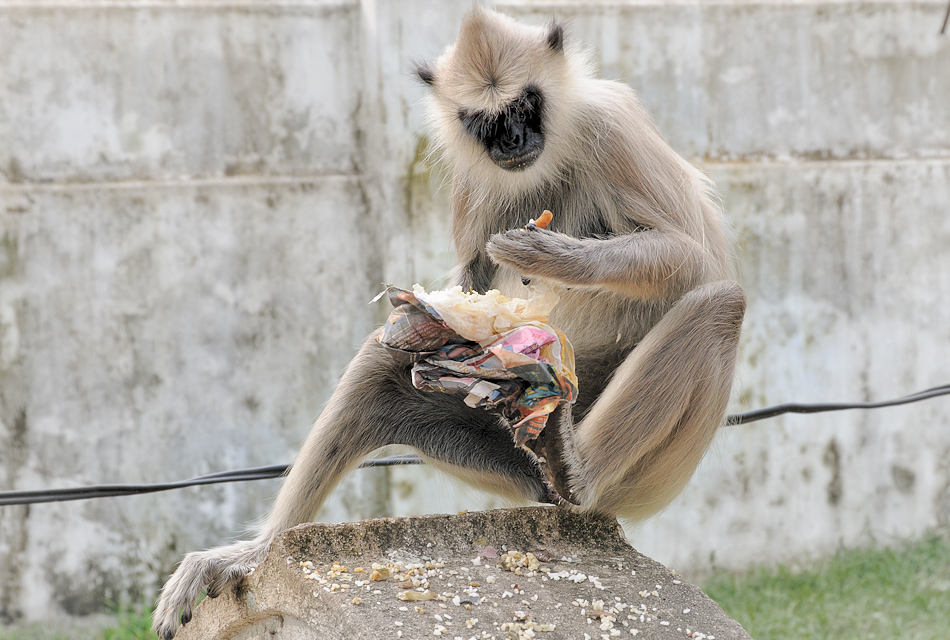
461	577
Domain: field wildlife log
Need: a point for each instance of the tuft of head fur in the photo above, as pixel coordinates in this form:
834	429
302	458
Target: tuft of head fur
494	59
493	62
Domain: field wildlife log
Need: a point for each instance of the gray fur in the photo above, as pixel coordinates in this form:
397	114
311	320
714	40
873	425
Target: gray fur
637	250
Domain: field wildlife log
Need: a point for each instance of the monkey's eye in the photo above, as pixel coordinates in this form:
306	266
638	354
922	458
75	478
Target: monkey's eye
527	108
520	112
530	101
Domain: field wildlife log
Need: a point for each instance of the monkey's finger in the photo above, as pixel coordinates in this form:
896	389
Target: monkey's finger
519	248
186	615
525	280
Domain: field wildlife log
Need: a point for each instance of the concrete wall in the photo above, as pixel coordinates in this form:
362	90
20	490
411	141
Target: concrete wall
198	198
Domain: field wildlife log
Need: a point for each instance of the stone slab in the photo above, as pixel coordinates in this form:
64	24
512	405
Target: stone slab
592	584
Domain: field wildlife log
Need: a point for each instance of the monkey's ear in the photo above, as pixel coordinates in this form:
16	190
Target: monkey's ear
425	73
556	36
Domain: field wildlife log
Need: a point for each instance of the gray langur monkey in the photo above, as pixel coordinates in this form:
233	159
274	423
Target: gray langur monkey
638	253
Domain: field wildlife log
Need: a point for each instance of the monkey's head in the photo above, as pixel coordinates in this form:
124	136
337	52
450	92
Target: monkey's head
495	92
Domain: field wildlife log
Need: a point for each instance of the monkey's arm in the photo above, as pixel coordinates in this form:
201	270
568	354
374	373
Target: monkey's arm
647	263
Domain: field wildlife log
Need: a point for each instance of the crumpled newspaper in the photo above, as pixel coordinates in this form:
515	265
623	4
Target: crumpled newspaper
498	352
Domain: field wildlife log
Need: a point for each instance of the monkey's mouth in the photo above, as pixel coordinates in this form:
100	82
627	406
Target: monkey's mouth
519	162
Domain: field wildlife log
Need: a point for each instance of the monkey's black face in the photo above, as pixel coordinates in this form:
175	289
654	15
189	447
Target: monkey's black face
513	138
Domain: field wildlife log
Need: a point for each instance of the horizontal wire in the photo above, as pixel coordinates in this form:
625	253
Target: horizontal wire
8	498
771	412
113	490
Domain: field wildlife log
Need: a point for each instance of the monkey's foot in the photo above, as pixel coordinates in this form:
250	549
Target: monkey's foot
551	495
216	569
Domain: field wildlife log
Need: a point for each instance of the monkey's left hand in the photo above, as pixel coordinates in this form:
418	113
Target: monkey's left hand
539	252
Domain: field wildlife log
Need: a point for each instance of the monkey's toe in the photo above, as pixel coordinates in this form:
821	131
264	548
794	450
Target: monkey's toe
166	631
165	621
228	577
216	588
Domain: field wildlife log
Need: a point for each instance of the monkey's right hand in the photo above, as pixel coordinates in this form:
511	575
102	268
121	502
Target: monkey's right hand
538	252
218	569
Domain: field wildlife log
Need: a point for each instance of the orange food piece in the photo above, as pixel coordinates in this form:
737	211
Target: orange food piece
544	219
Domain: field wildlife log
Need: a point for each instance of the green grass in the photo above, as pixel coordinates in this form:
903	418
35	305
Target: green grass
901	593
126	624
132	626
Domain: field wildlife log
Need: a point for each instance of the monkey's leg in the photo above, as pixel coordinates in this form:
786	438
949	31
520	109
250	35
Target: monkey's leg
642	439
374	405
344	433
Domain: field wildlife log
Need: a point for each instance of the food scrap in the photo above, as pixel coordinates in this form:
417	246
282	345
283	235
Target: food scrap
446	598
499	353
543	220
